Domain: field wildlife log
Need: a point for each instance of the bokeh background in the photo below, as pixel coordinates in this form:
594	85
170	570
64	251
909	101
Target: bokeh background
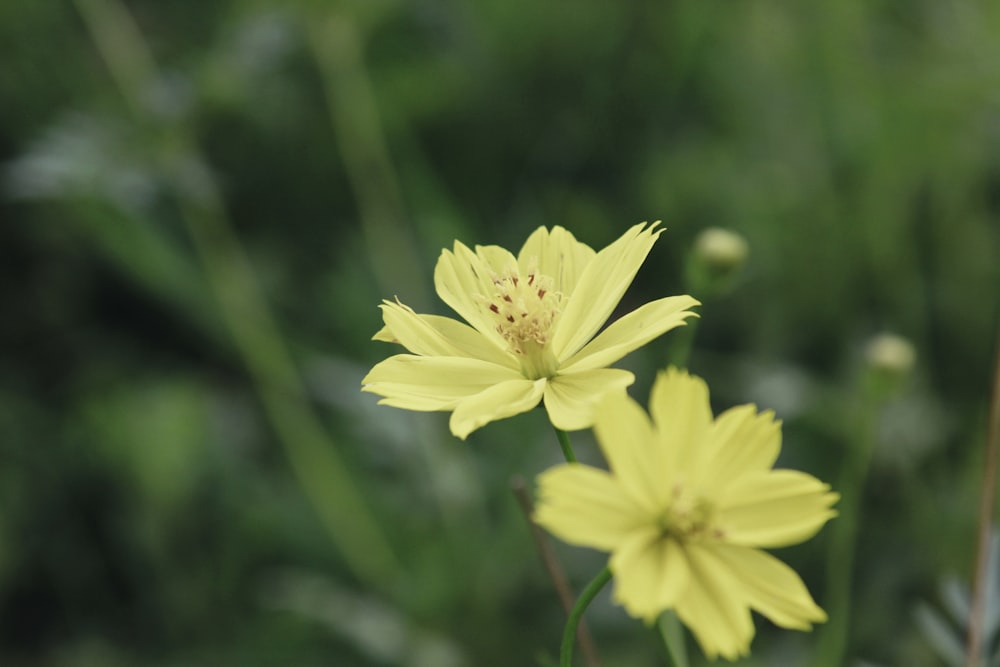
203	203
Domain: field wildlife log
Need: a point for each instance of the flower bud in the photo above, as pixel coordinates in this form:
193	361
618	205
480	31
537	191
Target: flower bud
715	262
890	353
721	250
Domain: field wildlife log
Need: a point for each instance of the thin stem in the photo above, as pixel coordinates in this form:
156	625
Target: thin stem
588	595
672	635
554	569
683	341
833	641
987	499
567	448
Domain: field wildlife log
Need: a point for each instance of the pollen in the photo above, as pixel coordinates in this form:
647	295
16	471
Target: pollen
688	518
524	309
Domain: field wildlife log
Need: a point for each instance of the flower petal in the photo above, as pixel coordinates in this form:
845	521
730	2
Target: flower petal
558	255
385	335
432	383
462	279
741	441
600	288
497	402
629	444
774	508
585	506
433	335
651	574
718	617
499	259
632	331
571	399
771	587
681	412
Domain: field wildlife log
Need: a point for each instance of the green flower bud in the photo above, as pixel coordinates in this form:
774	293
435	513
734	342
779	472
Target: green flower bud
715	261
721	250
890	353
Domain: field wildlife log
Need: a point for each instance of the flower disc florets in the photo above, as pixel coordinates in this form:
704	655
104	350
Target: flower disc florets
525	309
688	518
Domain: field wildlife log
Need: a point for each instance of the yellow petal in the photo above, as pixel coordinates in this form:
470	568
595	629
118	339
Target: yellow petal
498	259
600	288
774	508
719	619
771	587
433	335
651	573
742	442
631	332
432	383
681	412
571	399
628	442
558	255
461	279
385	335
497	402
585	506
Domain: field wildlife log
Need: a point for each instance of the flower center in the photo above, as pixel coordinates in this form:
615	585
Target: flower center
688	518
525	308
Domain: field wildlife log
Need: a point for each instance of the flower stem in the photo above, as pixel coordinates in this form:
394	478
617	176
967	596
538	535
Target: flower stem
588	595
987	500
554	570
683	341
567	448
672	635
833	641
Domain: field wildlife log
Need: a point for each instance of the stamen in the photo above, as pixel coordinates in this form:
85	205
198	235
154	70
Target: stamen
525	311
689	518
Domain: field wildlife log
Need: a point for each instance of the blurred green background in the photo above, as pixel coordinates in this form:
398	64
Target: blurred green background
204	202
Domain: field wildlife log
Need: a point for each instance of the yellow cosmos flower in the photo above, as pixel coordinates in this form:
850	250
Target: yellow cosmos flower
532	337
684	510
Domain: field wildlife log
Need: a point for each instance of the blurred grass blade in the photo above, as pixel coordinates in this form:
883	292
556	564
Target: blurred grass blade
337	46
942	637
313	454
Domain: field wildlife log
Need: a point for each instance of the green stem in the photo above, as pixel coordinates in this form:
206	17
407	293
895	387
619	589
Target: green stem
987	500
567	448
576	613
681	344
672	634
833	640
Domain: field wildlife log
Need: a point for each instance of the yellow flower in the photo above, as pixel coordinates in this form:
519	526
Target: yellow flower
533	317
684	509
